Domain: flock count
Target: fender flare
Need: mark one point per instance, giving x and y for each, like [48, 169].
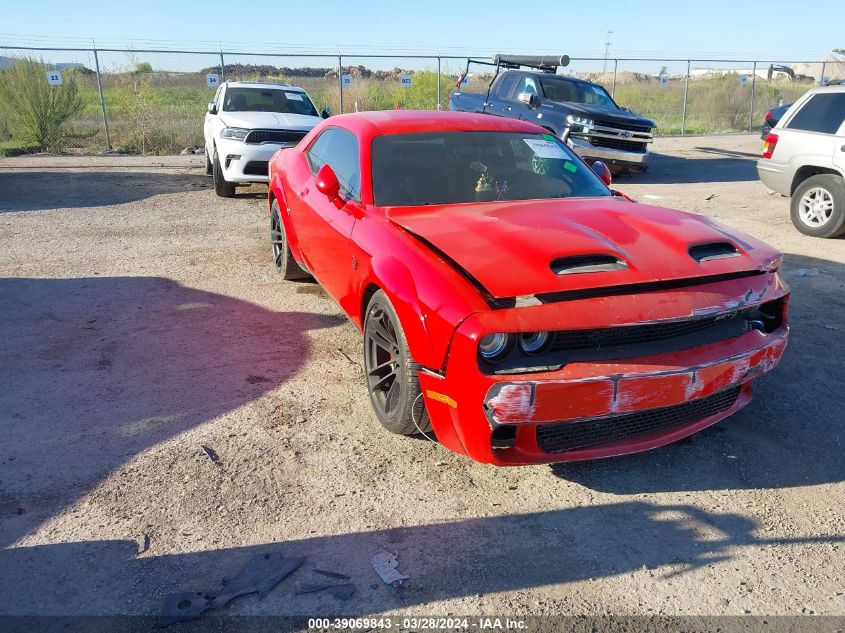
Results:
[391, 275]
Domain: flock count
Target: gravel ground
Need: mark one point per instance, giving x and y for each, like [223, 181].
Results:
[141, 320]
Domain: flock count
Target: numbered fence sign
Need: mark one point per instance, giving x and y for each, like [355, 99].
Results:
[405, 80]
[212, 80]
[346, 80]
[743, 80]
[664, 80]
[54, 78]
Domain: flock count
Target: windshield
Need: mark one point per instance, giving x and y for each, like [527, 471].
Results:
[567, 91]
[456, 167]
[268, 100]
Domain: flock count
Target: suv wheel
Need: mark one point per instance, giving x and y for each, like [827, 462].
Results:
[222, 187]
[818, 206]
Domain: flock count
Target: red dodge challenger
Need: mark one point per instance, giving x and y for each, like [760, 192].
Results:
[512, 301]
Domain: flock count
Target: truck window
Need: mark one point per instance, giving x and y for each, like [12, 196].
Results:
[506, 85]
[822, 113]
[527, 85]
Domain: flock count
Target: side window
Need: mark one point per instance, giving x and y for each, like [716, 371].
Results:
[339, 149]
[506, 85]
[822, 113]
[527, 85]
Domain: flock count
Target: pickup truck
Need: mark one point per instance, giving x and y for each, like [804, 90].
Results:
[579, 112]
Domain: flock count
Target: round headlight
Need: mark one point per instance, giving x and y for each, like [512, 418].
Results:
[533, 342]
[493, 346]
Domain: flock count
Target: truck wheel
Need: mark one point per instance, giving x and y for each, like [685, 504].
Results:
[391, 372]
[817, 206]
[209, 168]
[285, 264]
[222, 187]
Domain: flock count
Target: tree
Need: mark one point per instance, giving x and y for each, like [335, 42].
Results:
[143, 67]
[39, 109]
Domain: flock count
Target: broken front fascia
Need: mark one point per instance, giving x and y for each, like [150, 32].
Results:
[582, 390]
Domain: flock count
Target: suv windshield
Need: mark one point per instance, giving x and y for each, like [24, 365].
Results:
[268, 100]
[565, 90]
[456, 167]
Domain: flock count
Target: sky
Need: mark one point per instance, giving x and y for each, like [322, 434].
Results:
[716, 28]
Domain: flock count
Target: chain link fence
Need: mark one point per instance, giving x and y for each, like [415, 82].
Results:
[154, 101]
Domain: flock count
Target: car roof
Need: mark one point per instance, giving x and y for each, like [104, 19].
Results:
[412, 121]
[261, 84]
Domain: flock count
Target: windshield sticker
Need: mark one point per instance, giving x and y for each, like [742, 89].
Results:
[545, 149]
[293, 96]
[570, 167]
[548, 137]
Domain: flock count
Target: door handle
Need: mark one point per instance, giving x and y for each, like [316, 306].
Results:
[304, 192]
[508, 108]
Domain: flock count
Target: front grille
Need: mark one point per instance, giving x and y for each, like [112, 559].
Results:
[570, 436]
[635, 334]
[624, 126]
[256, 168]
[274, 136]
[612, 143]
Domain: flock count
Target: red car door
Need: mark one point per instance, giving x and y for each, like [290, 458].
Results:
[323, 229]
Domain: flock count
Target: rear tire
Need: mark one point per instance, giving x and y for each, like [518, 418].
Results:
[222, 187]
[390, 371]
[817, 206]
[283, 260]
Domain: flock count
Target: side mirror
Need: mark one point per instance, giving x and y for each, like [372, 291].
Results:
[212, 108]
[529, 99]
[602, 171]
[326, 113]
[327, 183]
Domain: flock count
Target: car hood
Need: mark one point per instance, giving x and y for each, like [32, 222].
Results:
[508, 247]
[269, 120]
[618, 116]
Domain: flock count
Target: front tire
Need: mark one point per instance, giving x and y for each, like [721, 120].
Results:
[283, 260]
[391, 372]
[817, 206]
[209, 168]
[222, 187]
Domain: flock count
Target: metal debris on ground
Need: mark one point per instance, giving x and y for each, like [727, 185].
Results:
[331, 574]
[260, 575]
[212, 454]
[385, 564]
[341, 592]
[710, 197]
[181, 607]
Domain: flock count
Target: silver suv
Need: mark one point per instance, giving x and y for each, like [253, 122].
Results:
[804, 158]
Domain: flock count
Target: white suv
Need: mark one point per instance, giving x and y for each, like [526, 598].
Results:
[246, 123]
[804, 158]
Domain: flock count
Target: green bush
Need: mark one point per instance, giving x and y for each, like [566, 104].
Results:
[39, 109]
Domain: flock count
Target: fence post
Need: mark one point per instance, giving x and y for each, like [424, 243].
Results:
[102, 100]
[686, 93]
[613, 88]
[340, 80]
[753, 85]
[821, 79]
[438, 82]
[222, 67]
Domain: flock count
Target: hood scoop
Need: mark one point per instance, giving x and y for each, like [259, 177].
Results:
[587, 264]
[710, 251]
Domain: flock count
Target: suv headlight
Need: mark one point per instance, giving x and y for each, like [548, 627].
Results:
[234, 133]
[580, 120]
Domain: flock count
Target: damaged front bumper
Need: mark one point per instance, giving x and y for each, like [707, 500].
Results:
[604, 406]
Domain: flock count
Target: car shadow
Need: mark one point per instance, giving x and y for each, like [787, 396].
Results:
[93, 371]
[789, 435]
[25, 190]
[664, 170]
[442, 561]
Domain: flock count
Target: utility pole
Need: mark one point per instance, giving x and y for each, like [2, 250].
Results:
[606, 50]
